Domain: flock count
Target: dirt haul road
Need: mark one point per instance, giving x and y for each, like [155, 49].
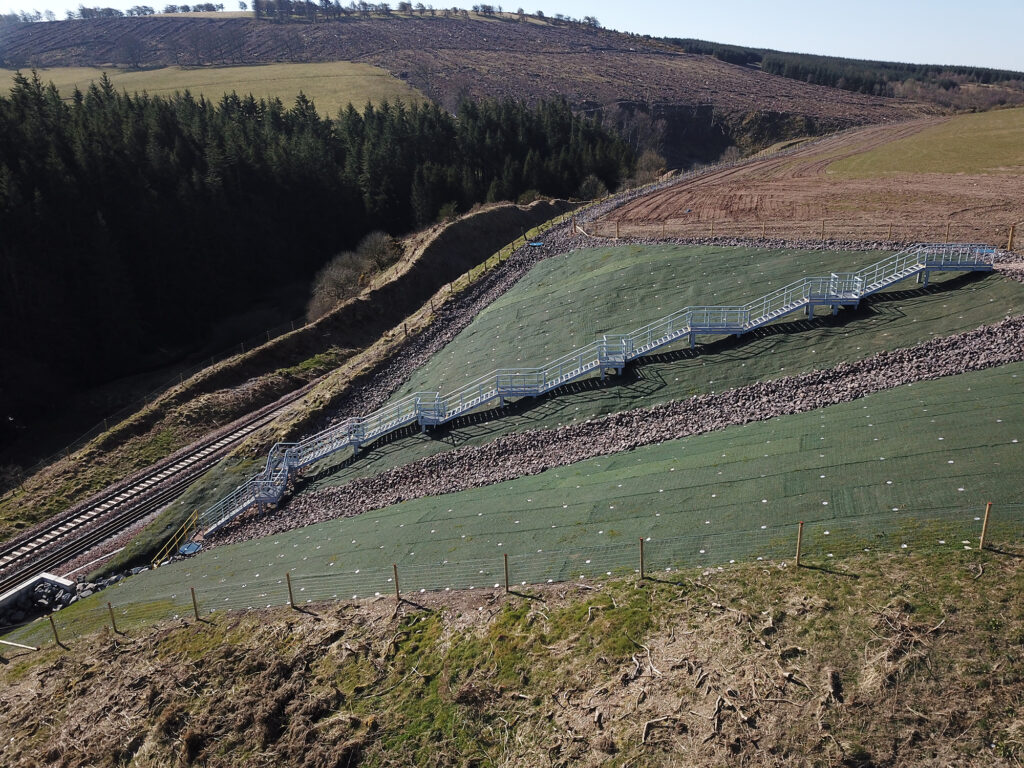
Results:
[790, 195]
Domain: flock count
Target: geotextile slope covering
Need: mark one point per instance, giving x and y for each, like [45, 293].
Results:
[900, 471]
[570, 300]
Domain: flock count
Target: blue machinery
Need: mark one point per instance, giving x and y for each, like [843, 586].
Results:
[610, 352]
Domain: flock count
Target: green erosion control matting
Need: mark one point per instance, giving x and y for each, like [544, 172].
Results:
[896, 471]
[572, 299]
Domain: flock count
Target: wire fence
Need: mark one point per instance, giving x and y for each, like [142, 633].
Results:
[862, 230]
[822, 544]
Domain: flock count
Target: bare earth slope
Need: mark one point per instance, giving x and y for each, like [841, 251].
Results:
[792, 194]
[446, 58]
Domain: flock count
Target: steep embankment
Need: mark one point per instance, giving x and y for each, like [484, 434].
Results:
[257, 378]
[691, 106]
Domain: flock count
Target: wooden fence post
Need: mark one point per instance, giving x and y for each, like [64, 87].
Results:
[890, 232]
[506, 573]
[947, 233]
[641, 558]
[984, 525]
[762, 230]
[616, 229]
[195, 605]
[712, 227]
[398, 595]
[291, 597]
[113, 622]
[822, 229]
[1009, 243]
[799, 541]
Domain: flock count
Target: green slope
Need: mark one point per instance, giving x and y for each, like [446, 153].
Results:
[898, 471]
[570, 300]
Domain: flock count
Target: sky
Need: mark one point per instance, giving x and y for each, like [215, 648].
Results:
[986, 33]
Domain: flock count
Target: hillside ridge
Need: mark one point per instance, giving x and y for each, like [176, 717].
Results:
[691, 107]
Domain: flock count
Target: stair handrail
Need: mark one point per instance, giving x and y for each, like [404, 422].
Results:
[611, 351]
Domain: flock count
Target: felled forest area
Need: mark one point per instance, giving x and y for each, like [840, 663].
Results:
[133, 223]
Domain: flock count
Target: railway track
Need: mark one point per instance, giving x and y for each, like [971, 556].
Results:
[74, 533]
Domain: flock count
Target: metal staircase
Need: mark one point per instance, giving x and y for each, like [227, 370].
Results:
[610, 352]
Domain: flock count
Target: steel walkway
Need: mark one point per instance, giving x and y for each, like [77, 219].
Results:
[610, 352]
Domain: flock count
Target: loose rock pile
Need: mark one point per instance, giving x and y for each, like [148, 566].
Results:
[47, 597]
[532, 452]
[1011, 267]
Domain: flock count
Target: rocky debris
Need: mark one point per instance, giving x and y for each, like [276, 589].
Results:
[1011, 267]
[532, 452]
[40, 600]
[47, 597]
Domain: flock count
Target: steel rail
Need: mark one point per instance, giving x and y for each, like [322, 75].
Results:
[52, 556]
[62, 539]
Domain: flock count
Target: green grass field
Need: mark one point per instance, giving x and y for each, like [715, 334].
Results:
[331, 86]
[986, 142]
[898, 471]
[577, 295]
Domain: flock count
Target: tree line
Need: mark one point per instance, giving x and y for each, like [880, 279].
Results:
[290, 10]
[132, 223]
[878, 78]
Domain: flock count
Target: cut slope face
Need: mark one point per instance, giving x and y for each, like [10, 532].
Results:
[917, 177]
[568, 300]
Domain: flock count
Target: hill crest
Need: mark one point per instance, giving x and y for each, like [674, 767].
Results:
[692, 106]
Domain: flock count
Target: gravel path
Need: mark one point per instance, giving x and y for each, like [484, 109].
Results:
[532, 452]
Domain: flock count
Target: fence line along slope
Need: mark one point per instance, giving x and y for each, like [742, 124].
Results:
[903, 470]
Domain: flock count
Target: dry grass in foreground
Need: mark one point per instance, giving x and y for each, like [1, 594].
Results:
[897, 661]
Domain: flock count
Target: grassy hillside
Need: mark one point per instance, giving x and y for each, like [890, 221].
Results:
[330, 85]
[910, 660]
[689, 107]
[989, 142]
[588, 292]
